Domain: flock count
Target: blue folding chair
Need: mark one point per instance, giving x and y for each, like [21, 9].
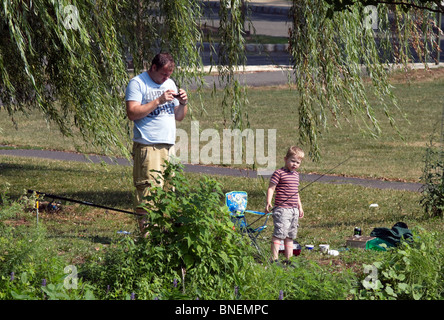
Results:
[236, 201]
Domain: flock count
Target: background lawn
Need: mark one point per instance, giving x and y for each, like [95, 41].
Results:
[82, 233]
[331, 211]
[391, 156]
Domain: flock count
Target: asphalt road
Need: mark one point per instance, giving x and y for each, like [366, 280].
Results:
[211, 170]
[267, 18]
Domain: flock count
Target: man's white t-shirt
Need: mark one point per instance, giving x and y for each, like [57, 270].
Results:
[159, 127]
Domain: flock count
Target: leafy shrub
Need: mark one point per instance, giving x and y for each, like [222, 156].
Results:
[30, 286]
[30, 268]
[191, 244]
[411, 271]
[29, 265]
[303, 280]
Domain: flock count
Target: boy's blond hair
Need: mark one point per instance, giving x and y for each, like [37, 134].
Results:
[295, 151]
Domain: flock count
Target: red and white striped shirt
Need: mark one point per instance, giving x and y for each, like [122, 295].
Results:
[287, 188]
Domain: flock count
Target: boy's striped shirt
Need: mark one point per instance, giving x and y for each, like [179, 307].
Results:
[287, 188]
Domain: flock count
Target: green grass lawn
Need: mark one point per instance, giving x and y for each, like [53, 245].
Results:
[387, 157]
[391, 156]
[331, 211]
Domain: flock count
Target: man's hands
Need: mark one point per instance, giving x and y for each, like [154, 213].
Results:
[135, 110]
[181, 95]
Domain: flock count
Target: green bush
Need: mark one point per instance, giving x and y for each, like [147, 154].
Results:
[191, 251]
[410, 271]
[302, 280]
[30, 268]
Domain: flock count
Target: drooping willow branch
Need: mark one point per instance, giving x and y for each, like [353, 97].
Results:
[330, 55]
[231, 56]
[423, 5]
[65, 61]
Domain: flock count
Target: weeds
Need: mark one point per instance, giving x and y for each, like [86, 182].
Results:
[30, 268]
[192, 252]
[411, 271]
[191, 243]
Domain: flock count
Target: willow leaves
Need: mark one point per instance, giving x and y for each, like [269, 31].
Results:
[68, 59]
[332, 51]
[65, 60]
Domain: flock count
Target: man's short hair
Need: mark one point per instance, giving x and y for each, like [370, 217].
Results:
[162, 59]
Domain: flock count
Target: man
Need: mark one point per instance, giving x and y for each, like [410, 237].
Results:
[154, 103]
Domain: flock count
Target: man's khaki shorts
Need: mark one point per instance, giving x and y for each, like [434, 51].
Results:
[147, 158]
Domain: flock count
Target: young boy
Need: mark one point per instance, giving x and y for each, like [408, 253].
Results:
[287, 204]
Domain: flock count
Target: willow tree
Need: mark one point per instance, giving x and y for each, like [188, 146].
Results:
[232, 58]
[334, 43]
[64, 58]
[68, 58]
[148, 27]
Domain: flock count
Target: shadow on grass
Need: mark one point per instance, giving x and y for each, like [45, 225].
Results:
[58, 180]
[110, 198]
[91, 239]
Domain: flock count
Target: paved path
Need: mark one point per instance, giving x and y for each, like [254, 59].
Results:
[213, 170]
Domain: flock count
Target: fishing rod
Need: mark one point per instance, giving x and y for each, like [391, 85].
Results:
[80, 201]
[342, 162]
[327, 172]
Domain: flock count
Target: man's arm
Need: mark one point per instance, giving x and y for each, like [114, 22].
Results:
[135, 110]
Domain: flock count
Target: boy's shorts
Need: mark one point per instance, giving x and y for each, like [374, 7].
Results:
[147, 158]
[285, 222]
